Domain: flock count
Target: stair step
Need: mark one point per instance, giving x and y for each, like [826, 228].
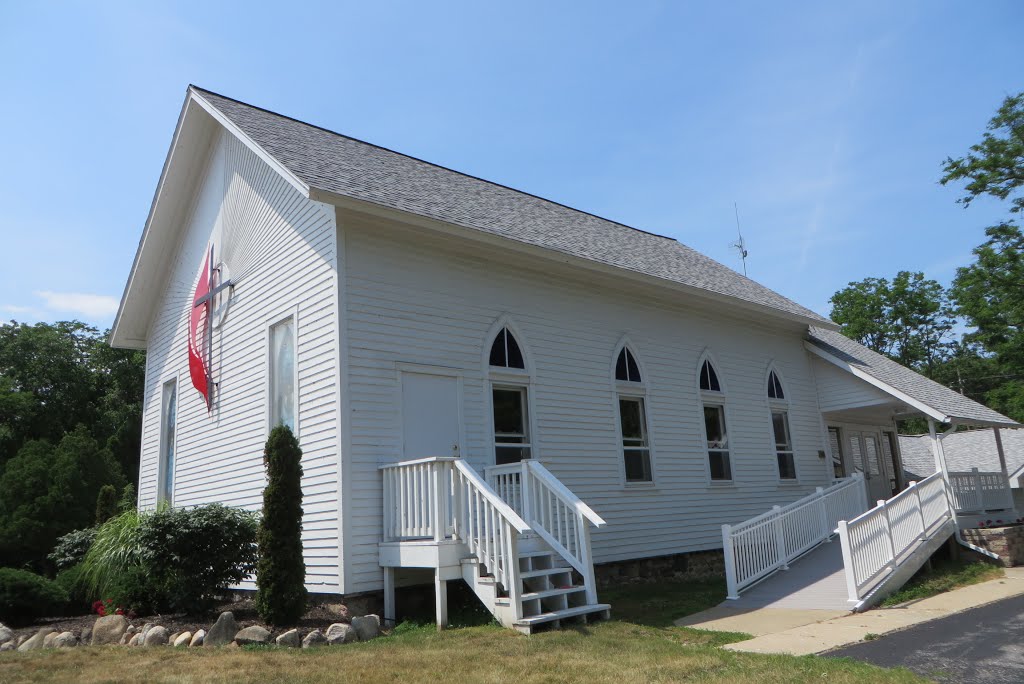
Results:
[547, 593]
[540, 573]
[535, 554]
[562, 614]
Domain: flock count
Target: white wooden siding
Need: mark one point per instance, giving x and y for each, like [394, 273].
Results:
[284, 250]
[839, 390]
[413, 298]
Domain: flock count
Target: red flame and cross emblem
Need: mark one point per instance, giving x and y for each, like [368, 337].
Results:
[200, 326]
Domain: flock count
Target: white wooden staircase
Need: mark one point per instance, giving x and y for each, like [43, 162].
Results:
[439, 513]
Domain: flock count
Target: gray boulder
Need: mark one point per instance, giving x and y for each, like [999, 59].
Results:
[6, 634]
[127, 636]
[223, 631]
[340, 633]
[252, 635]
[108, 630]
[197, 638]
[86, 635]
[36, 640]
[367, 627]
[65, 640]
[136, 640]
[9, 646]
[290, 639]
[48, 639]
[314, 638]
[170, 639]
[183, 639]
[157, 636]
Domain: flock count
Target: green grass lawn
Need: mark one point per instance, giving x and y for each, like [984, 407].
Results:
[639, 645]
[945, 575]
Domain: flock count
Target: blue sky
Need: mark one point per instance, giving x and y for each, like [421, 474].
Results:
[826, 122]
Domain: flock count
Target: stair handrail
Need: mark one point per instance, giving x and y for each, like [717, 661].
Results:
[489, 528]
[757, 547]
[875, 542]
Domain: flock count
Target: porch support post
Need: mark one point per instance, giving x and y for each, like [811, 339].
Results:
[389, 597]
[440, 600]
[940, 462]
[1002, 466]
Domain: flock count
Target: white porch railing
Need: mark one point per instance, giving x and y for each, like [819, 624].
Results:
[979, 491]
[557, 515]
[757, 547]
[442, 498]
[876, 541]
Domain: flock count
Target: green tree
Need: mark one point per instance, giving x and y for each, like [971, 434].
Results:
[106, 504]
[46, 492]
[995, 166]
[908, 319]
[281, 572]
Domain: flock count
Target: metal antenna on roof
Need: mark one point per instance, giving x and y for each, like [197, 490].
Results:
[740, 244]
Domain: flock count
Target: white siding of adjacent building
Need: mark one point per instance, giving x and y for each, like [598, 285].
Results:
[281, 249]
[418, 299]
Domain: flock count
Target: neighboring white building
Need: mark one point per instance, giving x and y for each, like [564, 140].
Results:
[389, 310]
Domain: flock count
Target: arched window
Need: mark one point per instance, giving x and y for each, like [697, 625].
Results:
[633, 428]
[716, 433]
[626, 367]
[779, 411]
[510, 399]
[709, 378]
[505, 351]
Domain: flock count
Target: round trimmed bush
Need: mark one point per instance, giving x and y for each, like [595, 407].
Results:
[26, 596]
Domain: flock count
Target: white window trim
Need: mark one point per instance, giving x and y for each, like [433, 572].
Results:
[530, 434]
[281, 316]
[508, 377]
[161, 468]
[636, 390]
[783, 404]
[712, 397]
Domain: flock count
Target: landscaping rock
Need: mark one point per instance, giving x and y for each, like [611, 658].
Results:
[340, 633]
[48, 639]
[127, 636]
[367, 627]
[108, 630]
[290, 639]
[252, 635]
[65, 640]
[8, 646]
[36, 641]
[6, 634]
[145, 629]
[339, 609]
[314, 638]
[183, 640]
[223, 631]
[197, 638]
[86, 635]
[136, 640]
[157, 636]
[170, 639]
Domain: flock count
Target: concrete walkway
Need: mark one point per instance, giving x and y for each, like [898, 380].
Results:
[801, 631]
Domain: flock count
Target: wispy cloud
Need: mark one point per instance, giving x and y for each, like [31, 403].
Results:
[90, 306]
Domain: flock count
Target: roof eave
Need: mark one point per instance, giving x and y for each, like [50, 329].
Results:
[347, 202]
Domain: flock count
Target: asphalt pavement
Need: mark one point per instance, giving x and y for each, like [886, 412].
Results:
[982, 645]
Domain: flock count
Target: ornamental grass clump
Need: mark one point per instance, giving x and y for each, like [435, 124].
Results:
[281, 572]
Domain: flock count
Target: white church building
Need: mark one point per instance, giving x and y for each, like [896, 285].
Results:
[486, 385]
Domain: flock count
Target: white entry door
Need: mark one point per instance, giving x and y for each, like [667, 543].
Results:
[431, 423]
[866, 451]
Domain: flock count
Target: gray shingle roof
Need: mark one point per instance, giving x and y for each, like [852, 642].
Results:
[337, 164]
[929, 392]
[963, 450]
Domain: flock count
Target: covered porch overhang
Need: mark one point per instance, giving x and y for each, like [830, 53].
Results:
[972, 491]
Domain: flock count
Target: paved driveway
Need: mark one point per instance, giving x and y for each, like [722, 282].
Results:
[980, 646]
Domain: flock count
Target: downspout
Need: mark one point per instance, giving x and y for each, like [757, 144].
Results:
[940, 463]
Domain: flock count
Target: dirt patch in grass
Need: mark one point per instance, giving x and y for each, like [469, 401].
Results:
[944, 575]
